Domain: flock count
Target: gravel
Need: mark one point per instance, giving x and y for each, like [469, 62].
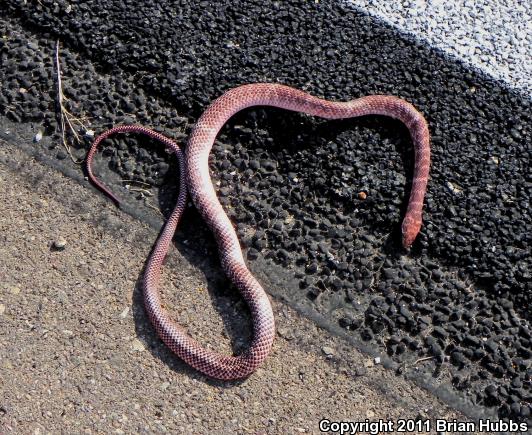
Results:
[71, 363]
[492, 35]
[292, 184]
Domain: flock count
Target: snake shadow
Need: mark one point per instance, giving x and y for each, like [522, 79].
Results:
[201, 251]
[201, 254]
[283, 132]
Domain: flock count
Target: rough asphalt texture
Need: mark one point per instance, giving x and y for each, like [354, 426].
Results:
[79, 355]
[292, 184]
[492, 35]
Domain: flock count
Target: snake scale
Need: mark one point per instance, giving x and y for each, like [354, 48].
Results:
[195, 177]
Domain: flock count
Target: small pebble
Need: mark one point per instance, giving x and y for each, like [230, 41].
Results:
[361, 371]
[328, 350]
[454, 188]
[285, 333]
[60, 243]
[369, 363]
[138, 345]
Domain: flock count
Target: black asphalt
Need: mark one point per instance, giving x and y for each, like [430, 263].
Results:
[461, 296]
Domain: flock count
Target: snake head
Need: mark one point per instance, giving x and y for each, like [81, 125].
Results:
[410, 230]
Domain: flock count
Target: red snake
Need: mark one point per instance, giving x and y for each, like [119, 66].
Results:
[194, 173]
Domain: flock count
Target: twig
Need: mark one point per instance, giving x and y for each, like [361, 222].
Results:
[136, 181]
[138, 189]
[416, 362]
[144, 194]
[146, 203]
[66, 118]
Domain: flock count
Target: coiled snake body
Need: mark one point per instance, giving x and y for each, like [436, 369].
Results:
[194, 174]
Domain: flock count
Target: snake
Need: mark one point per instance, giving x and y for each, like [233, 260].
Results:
[195, 178]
